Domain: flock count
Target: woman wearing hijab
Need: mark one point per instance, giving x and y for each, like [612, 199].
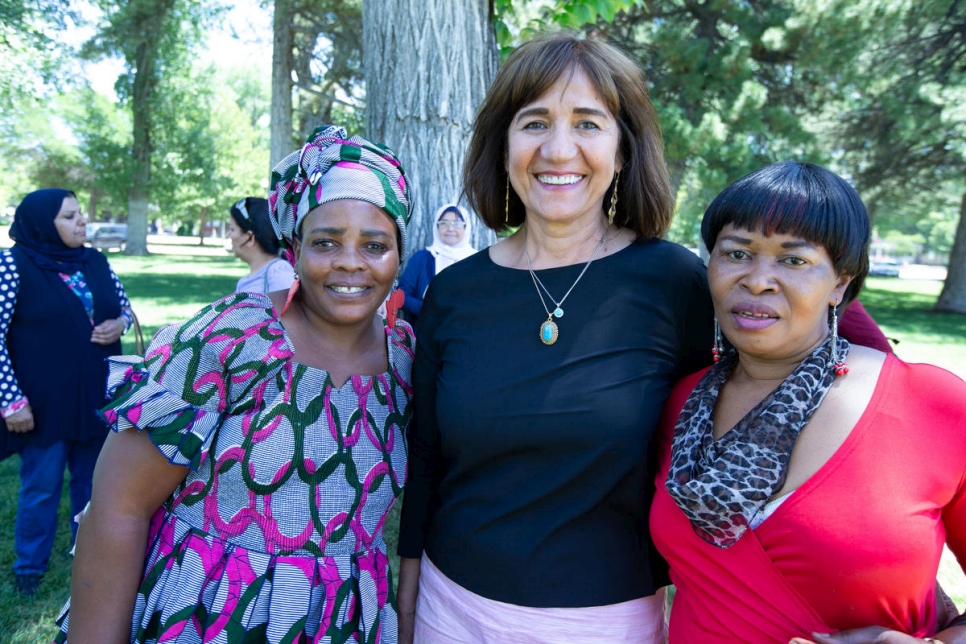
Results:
[254, 242]
[451, 243]
[62, 313]
[260, 445]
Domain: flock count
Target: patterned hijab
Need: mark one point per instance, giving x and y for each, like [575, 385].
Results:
[35, 233]
[332, 166]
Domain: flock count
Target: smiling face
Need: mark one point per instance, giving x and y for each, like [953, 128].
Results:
[451, 228]
[772, 292]
[562, 151]
[347, 258]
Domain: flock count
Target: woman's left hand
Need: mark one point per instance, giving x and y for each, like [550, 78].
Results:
[108, 331]
[867, 635]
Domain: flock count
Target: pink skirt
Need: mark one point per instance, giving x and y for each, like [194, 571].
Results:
[447, 613]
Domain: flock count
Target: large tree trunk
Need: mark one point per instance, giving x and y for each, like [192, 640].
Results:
[953, 296]
[427, 65]
[204, 223]
[282, 62]
[137, 194]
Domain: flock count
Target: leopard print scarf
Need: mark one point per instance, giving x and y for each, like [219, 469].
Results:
[721, 484]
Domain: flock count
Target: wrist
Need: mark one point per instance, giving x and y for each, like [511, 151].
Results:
[127, 319]
[14, 407]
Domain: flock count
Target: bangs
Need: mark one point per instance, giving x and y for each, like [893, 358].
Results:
[538, 69]
[798, 199]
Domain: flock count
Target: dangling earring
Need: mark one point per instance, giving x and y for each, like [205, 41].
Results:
[612, 211]
[506, 202]
[292, 290]
[840, 367]
[717, 349]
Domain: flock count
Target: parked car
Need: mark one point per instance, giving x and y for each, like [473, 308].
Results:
[885, 266]
[107, 236]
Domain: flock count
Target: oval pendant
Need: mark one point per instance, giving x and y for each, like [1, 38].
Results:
[558, 312]
[548, 332]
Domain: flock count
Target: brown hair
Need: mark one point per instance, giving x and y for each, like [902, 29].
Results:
[644, 204]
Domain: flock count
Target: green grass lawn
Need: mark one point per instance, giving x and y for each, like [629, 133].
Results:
[167, 288]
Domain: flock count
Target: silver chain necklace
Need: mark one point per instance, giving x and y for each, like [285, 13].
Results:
[548, 330]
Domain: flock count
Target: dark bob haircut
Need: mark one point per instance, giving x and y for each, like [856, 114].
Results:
[799, 199]
[645, 203]
[255, 220]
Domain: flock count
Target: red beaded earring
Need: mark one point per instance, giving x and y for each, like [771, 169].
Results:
[840, 367]
[717, 349]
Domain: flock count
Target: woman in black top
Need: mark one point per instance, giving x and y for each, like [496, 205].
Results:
[543, 363]
[62, 312]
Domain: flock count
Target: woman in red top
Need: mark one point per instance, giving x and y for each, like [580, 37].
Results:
[805, 487]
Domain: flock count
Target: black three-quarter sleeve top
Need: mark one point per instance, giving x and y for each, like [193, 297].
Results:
[529, 473]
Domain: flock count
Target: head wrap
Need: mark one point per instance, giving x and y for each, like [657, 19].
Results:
[35, 233]
[332, 166]
[445, 254]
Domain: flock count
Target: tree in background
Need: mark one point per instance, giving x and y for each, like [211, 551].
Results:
[208, 155]
[155, 38]
[903, 133]
[316, 69]
[428, 66]
[30, 59]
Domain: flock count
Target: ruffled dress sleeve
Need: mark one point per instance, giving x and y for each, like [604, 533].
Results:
[195, 374]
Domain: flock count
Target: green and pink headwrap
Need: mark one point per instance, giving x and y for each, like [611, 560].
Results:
[332, 166]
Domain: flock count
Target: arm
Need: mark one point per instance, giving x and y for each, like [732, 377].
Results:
[696, 324]
[131, 481]
[406, 596]
[425, 469]
[110, 331]
[409, 283]
[880, 635]
[13, 403]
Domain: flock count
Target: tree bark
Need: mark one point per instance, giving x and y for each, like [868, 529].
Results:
[428, 64]
[204, 223]
[282, 84]
[137, 194]
[952, 299]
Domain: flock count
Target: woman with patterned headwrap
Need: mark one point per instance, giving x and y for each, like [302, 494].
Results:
[248, 502]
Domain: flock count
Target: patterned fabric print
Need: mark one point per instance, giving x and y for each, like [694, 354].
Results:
[721, 484]
[276, 535]
[78, 286]
[9, 284]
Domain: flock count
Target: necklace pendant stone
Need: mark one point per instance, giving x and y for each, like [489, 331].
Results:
[558, 312]
[548, 332]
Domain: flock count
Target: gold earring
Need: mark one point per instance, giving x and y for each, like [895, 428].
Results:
[612, 211]
[506, 202]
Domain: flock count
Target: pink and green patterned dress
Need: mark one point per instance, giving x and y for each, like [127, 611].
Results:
[276, 534]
